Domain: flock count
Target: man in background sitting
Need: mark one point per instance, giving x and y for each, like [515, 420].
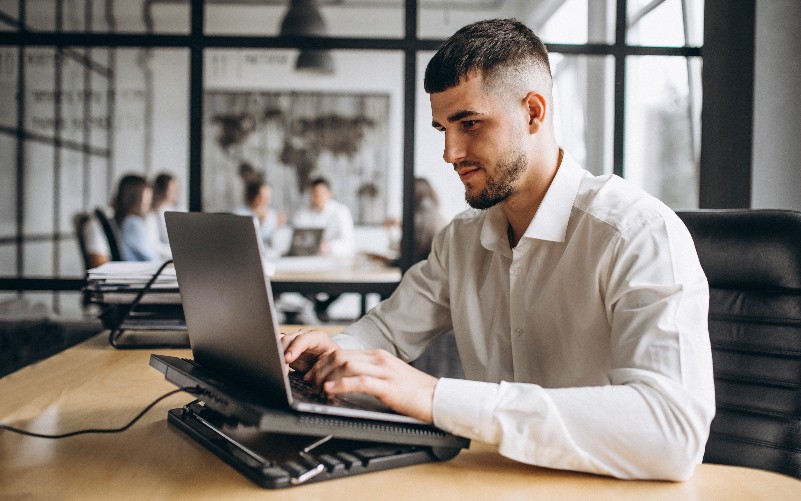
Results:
[334, 217]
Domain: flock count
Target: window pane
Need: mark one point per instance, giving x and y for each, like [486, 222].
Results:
[8, 261]
[70, 262]
[121, 16]
[40, 15]
[100, 183]
[39, 182]
[662, 128]
[72, 95]
[8, 186]
[71, 188]
[9, 60]
[38, 259]
[97, 103]
[10, 13]
[583, 108]
[346, 126]
[151, 112]
[382, 18]
[570, 21]
[40, 95]
[671, 23]
[147, 16]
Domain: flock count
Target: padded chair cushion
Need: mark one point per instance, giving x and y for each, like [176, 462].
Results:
[748, 249]
[752, 259]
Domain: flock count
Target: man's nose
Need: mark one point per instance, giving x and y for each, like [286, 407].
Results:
[454, 149]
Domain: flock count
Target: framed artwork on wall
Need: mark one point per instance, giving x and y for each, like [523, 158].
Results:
[292, 137]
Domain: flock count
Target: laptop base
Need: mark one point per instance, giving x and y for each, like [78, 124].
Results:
[274, 460]
[236, 402]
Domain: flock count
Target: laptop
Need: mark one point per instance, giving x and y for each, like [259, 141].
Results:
[232, 321]
[305, 242]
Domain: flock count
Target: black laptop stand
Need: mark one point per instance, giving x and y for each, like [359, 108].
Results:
[277, 460]
[281, 448]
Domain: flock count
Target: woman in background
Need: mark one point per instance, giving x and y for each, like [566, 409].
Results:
[165, 197]
[257, 197]
[428, 220]
[131, 205]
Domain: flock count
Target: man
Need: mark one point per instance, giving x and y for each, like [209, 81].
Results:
[334, 217]
[578, 303]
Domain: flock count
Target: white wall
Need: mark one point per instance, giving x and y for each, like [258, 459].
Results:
[776, 171]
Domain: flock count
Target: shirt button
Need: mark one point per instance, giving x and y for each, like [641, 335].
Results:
[518, 332]
[515, 271]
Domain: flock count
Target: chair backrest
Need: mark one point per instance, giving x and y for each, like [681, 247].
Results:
[80, 222]
[752, 259]
[112, 233]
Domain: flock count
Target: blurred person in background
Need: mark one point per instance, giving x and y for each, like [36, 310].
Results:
[428, 220]
[165, 197]
[257, 197]
[131, 206]
[334, 217]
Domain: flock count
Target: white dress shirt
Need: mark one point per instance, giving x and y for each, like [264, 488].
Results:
[337, 224]
[157, 229]
[585, 347]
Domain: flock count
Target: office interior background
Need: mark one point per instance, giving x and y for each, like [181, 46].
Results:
[692, 100]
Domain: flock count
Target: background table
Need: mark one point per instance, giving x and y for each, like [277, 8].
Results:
[94, 385]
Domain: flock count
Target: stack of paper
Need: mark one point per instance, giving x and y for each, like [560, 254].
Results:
[119, 282]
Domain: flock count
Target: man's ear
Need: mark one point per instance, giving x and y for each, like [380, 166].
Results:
[537, 108]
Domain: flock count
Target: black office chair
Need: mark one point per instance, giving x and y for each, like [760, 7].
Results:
[80, 222]
[112, 232]
[752, 259]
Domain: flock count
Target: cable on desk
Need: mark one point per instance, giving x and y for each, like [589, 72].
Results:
[115, 334]
[189, 389]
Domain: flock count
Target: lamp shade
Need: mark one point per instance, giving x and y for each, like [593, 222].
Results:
[304, 19]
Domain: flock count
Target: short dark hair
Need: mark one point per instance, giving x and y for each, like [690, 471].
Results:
[252, 190]
[320, 180]
[494, 47]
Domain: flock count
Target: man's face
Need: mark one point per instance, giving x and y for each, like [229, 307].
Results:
[320, 194]
[264, 198]
[483, 141]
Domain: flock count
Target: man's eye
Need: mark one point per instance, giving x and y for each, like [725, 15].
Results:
[469, 124]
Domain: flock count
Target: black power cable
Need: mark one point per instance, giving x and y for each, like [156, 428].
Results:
[188, 389]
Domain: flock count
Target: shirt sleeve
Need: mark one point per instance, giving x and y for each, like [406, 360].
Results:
[342, 232]
[412, 317]
[652, 419]
[137, 240]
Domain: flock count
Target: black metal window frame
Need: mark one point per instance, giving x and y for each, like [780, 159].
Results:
[196, 41]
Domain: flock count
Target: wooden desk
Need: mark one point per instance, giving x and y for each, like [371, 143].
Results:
[94, 385]
[311, 275]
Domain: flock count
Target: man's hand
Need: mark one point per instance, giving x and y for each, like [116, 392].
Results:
[303, 348]
[395, 383]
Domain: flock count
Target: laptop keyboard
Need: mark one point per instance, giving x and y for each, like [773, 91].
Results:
[306, 391]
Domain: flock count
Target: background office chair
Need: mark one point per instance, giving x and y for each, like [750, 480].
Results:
[80, 222]
[112, 233]
[752, 259]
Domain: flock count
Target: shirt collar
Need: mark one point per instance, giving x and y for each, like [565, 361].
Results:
[550, 221]
[553, 214]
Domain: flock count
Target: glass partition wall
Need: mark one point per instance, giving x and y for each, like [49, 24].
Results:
[91, 90]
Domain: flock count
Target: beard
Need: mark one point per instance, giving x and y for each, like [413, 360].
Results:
[500, 186]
